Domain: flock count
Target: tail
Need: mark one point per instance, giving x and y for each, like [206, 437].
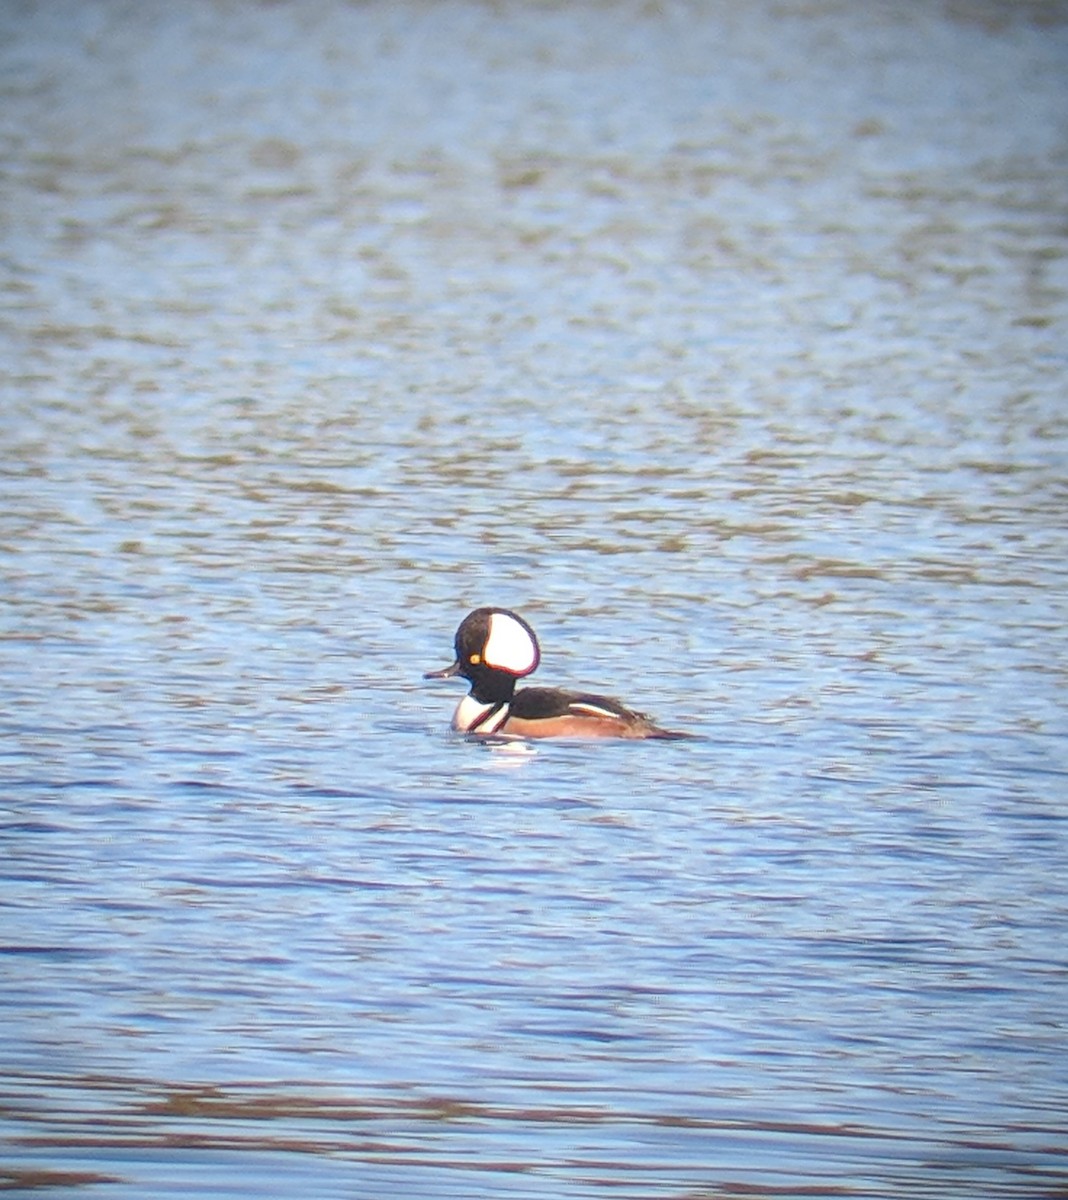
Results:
[668, 735]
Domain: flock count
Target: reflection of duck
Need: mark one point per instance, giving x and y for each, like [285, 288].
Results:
[494, 649]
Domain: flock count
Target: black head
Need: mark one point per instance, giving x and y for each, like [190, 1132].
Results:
[494, 648]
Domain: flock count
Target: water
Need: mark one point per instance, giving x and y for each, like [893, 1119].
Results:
[724, 342]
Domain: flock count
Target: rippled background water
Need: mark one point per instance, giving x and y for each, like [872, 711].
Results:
[727, 342]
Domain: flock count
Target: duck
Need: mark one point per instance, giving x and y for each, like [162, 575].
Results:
[495, 648]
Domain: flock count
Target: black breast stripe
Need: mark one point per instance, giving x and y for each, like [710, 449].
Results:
[486, 719]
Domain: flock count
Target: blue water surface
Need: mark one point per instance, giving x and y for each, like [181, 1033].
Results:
[724, 343]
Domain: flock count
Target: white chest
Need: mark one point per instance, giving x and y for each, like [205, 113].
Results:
[472, 714]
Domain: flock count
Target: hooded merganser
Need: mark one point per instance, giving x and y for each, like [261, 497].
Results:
[496, 647]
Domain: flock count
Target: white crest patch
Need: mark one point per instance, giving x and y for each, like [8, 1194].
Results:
[509, 645]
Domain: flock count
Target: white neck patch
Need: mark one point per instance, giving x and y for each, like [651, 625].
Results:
[510, 646]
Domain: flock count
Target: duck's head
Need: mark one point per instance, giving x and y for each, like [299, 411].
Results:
[492, 644]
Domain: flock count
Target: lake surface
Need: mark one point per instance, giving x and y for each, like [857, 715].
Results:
[725, 342]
